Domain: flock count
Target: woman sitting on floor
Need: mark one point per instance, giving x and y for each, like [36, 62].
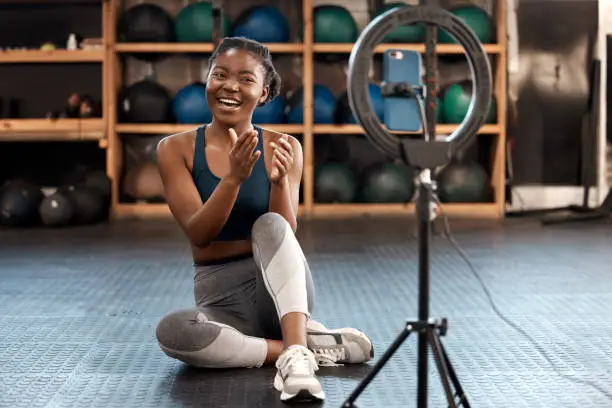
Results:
[234, 189]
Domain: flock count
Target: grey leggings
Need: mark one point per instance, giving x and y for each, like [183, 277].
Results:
[237, 292]
[234, 293]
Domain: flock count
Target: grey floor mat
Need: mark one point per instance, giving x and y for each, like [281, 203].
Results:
[78, 310]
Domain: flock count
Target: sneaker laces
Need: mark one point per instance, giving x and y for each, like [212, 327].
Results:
[328, 356]
[300, 361]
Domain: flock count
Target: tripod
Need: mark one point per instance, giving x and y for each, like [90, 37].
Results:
[429, 330]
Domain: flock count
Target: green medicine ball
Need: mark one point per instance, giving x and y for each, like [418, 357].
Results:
[334, 24]
[194, 23]
[477, 19]
[414, 33]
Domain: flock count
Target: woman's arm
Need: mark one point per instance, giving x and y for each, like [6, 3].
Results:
[201, 222]
[285, 192]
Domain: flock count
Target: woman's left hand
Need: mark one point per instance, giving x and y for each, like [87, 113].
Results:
[282, 159]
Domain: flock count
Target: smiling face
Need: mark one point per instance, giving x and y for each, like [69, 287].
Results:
[235, 86]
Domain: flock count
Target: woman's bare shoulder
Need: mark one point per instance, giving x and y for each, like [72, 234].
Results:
[178, 143]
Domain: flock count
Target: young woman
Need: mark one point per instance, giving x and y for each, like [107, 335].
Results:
[234, 189]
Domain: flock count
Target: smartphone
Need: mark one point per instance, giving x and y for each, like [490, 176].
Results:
[402, 113]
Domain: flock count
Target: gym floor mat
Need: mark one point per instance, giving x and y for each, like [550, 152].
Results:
[78, 310]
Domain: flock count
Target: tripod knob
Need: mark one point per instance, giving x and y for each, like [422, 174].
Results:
[443, 328]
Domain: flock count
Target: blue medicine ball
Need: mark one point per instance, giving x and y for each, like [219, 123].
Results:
[190, 105]
[264, 24]
[272, 112]
[377, 103]
[324, 107]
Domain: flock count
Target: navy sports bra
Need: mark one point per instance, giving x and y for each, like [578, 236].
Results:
[253, 197]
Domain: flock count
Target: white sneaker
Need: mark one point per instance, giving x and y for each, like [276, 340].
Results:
[295, 376]
[338, 346]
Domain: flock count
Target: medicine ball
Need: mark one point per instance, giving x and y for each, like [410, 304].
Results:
[145, 102]
[324, 106]
[144, 183]
[19, 203]
[456, 103]
[462, 181]
[335, 183]
[190, 106]
[88, 204]
[388, 183]
[146, 23]
[333, 24]
[412, 33]
[265, 24]
[56, 210]
[194, 23]
[272, 112]
[477, 19]
[344, 114]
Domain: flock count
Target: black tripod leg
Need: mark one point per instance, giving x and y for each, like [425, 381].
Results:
[450, 372]
[440, 359]
[399, 340]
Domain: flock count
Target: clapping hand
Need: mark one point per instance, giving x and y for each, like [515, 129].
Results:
[282, 158]
[243, 156]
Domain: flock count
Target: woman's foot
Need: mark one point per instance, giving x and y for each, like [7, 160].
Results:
[338, 346]
[295, 376]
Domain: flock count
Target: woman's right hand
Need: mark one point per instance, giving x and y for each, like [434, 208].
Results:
[242, 156]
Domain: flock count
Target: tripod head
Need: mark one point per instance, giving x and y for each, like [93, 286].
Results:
[428, 153]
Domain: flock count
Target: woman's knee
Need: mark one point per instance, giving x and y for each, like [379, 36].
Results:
[188, 335]
[185, 331]
[270, 226]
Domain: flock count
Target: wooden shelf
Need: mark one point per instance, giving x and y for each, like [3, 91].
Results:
[357, 129]
[117, 75]
[179, 48]
[55, 56]
[292, 48]
[440, 49]
[475, 210]
[51, 129]
[169, 129]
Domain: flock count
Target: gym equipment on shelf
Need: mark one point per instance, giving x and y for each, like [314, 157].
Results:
[146, 23]
[189, 105]
[406, 34]
[424, 155]
[262, 23]
[145, 101]
[272, 112]
[457, 99]
[388, 183]
[477, 19]
[333, 24]
[462, 181]
[194, 23]
[344, 115]
[324, 106]
[335, 182]
[143, 183]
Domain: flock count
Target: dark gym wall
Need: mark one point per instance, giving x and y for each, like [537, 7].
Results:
[555, 51]
[42, 88]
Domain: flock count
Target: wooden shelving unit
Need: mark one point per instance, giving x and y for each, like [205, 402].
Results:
[42, 129]
[308, 130]
[49, 57]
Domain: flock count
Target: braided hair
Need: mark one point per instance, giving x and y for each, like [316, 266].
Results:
[258, 50]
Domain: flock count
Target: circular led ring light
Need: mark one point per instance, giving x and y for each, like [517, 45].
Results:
[359, 67]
